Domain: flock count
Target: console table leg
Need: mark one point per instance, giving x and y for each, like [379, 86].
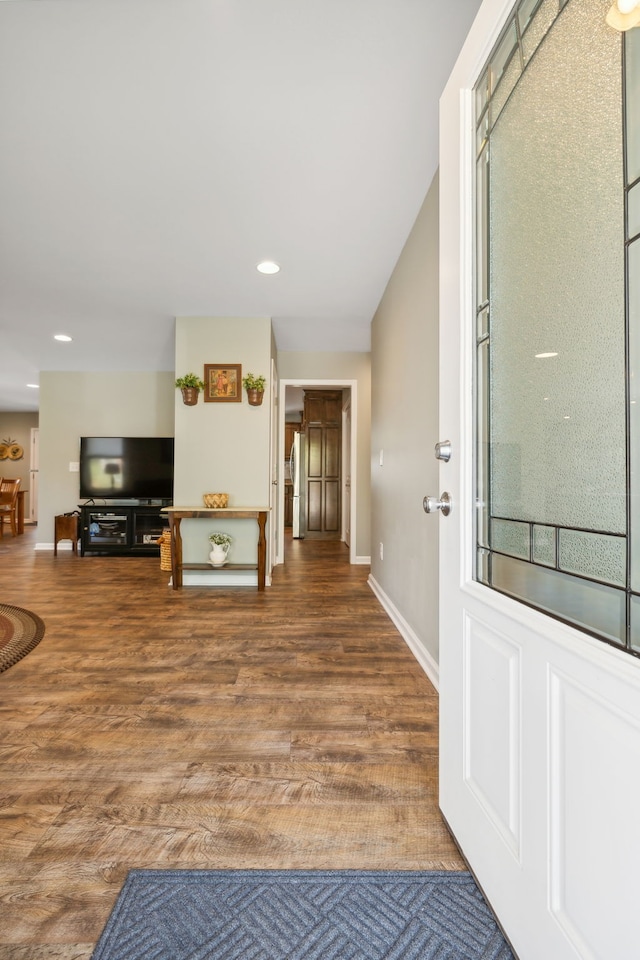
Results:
[176, 552]
[262, 550]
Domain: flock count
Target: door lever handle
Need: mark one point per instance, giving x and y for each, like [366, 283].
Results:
[432, 504]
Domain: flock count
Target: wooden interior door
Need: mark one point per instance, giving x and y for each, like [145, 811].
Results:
[323, 431]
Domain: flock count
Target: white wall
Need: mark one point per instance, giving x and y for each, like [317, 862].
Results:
[335, 367]
[222, 447]
[404, 398]
[73, 405]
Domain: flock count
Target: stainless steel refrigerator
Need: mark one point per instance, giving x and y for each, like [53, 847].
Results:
[296, 466]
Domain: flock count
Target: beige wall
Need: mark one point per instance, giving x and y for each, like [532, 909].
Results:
[222, 447]
[336, 367]
[73, 405]
[17, 428]
[404, 400]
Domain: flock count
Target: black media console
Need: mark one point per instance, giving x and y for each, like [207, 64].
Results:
[122, 528]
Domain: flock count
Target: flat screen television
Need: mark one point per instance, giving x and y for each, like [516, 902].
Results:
[126, 468]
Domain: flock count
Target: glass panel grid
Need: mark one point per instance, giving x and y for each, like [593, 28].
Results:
[482, 93]
[483, 566]
[483, 324]
[633, 212]
[502, 57]
[633, 255]
[635, 624]
[632, 96]
[482, 444]
[526, 11]
[511, 537]
[482, 133]
[591, 606]
[509, 80]
[593, 555]
[544, 545]
[482, 227]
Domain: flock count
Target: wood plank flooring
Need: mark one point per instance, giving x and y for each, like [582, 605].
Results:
[202, 729]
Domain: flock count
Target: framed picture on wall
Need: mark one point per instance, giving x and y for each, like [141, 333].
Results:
[223, 383]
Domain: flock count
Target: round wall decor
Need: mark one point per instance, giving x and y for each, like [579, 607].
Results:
[16, 452]
[10, 450]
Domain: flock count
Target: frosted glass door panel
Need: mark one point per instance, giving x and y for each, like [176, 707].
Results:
[557, 289]
[556, 433]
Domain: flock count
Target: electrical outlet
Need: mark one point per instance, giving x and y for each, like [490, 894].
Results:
[382, 551]
[74, 466]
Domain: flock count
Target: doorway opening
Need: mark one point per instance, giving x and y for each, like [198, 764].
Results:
[339, 494]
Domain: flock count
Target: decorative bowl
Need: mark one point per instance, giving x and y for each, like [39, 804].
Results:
[215, 501]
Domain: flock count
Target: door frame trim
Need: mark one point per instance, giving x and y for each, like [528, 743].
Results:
[329, 385]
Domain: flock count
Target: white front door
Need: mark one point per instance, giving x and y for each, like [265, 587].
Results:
[540, 721]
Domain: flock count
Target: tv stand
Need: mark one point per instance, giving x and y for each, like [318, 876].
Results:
[121, 528]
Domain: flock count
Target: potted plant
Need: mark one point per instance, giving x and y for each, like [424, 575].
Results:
[220, 543]
[255, 389]
[191, 385]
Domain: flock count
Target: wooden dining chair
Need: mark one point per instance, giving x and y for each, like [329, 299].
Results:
[9, 505]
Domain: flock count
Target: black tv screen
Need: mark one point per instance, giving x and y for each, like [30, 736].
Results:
[126, 468]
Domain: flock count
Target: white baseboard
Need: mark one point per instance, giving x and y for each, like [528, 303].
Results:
[217, 578]
[65, 545]
[363, 560]
[409, 636]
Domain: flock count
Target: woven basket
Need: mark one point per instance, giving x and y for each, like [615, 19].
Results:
[165, 551]
[215, 501]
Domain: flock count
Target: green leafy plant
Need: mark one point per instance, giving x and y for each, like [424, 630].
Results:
[222, 539]
[253, 383]
[190, 380]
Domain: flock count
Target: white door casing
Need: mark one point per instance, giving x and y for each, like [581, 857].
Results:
[34, 468]
[346, 471]
[353, 437]
[540, 723]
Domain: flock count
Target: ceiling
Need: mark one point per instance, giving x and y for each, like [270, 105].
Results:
[152, 152]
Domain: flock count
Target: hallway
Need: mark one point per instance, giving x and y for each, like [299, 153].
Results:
[202, 729]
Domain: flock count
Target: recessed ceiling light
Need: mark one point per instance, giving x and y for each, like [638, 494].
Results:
[63, 337]
[268, 266]
[541, 356]
[35, 386]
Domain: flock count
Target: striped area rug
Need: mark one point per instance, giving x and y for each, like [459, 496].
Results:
[294, 914]
[20, 632]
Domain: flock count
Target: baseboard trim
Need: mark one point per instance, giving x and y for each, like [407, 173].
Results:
[217, 578]
[409, 636]
[365, 561]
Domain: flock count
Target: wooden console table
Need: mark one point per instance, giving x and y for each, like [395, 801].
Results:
[176, 514]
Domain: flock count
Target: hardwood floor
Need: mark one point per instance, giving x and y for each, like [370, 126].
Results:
[202, 729]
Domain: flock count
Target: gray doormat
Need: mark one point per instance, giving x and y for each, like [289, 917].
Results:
[296, 914]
